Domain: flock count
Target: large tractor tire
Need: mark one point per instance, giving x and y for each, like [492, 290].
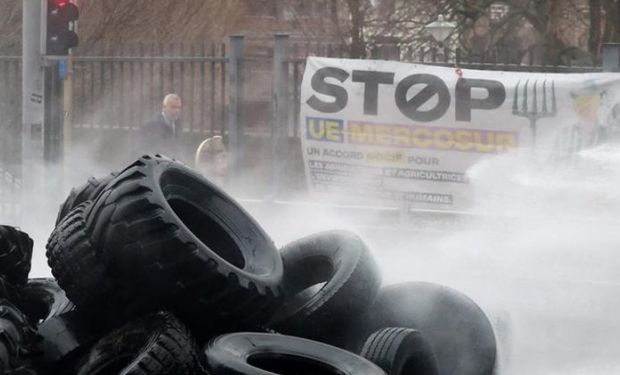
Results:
[82, 274]
[156, 344]
[160, 235]
[86, 192]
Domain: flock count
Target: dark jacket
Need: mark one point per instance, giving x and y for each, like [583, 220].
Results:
[156, 137]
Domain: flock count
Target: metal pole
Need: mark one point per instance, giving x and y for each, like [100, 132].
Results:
[279, 131]
[235, 100]
[611, 57]
[68, 109]
[33, 100]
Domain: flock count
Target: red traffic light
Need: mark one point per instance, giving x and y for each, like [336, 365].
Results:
[61, 34]
[63, 11]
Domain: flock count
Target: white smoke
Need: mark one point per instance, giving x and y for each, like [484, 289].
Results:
[538, 252]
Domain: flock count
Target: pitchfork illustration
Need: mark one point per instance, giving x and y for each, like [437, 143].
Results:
[534, 114]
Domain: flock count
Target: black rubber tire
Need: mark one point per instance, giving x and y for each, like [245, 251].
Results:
[163, 226]
[8, 291]
[41, 299]
[15, 255]
[63, 338]
[60, 328]
[400, 351]
[17, 339]
[156, 344]
[82, 274]
[342, 261]
[87, 192]
[458, 330]
[247, 353]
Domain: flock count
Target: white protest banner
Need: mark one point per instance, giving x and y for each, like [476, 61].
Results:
[383, 131]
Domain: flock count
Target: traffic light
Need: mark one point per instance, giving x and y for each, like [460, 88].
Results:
[61, 15]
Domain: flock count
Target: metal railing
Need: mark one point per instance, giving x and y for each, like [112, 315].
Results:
[123, 92]
[113, 95]
[10, 110]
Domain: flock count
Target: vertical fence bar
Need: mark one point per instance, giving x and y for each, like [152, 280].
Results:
[206, 114]
[102, 82]
[141, 65]
[92, 89]
[296, 92]
[130, 101]
[81, 69]
[109, 66]
[164, 73]
[212, 92]
[181, 85]
[195, 103]
[223, 88]
[203, 89]
[279, 131]
[123, 99]
[159, 89]
[235, 100]
[117, 92]
[611, 57]
[171, 52]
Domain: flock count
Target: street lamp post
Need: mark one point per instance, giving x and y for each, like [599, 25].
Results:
[440, 30]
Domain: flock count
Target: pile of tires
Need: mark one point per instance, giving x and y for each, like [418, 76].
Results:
[158, 271]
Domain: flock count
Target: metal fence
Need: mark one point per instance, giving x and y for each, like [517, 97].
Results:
[122, 92]
[10, 133]
[256, 104]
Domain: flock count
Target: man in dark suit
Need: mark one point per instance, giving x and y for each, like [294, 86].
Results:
[160, 135]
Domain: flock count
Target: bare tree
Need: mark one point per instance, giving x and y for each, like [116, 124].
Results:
[596, 28]
[10, 27]
[162, 21]
[357, 9]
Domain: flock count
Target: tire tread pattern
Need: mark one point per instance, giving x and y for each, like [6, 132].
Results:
[86, 192]
[17, 339]
[384, 346]
[78, 269]
[130, 224]
[169, 348]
